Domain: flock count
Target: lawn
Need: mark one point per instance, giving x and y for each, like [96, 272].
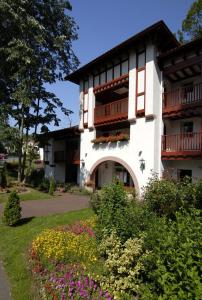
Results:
[15, 242]
[32, 194]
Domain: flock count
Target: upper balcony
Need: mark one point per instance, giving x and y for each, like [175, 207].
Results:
[182, 102]
[182, 146]
[111, 112]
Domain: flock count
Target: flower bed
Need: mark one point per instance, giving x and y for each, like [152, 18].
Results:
[61, 261]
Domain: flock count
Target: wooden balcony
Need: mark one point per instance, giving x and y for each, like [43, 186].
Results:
[112, 112]
[183, 101]
[182, 146]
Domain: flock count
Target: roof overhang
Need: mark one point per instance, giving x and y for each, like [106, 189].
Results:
[158, 31]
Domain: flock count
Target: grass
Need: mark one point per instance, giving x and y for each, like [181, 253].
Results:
[31, 195]
[15, 242]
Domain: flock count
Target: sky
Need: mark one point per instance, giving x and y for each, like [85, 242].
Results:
[104, 24]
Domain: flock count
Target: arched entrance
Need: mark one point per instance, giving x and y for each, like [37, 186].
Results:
[105, 169]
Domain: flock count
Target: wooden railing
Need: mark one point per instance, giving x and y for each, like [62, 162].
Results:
[182, 142]
[183, 96]
[114, 111]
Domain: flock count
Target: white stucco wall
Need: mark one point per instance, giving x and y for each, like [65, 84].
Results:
[145, 135]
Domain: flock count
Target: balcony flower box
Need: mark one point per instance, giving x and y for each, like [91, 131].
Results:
[111, 138]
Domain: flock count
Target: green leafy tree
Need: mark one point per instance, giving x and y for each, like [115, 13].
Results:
[12, 210]
[192, 24]
[36, 48]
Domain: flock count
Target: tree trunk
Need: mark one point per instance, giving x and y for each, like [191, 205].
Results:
[25, 155]
[20, 153]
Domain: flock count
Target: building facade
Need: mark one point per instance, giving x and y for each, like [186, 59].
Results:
[140, 110]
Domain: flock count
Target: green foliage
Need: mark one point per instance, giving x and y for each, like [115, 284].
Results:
[52, 186]
[36, 178]
[44, 185]
[3, 177]
[114, 212]
[198, 199]
[192, 24]
[173, 268]
[12, 210]
[95, 201]
[123, 264]
[161, 196]
[36, 51]
[165, 197]
[75, 189]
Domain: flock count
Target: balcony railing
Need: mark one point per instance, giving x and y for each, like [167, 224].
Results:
[111, 112]
[182, 97]
[189, 143]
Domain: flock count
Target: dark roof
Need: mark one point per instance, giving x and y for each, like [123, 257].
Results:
[182, 49]
[169, 41]
[61, 133]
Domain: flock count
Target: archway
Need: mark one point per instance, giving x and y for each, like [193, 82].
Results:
[113, 166]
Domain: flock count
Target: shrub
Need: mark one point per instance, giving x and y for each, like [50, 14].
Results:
[165, 197]
[75, 189]
[36, 177]
[44, 185]
[173, 268]
[12, 210]
[161, 196]
[52, 186]
[198, 199]
[95, 201]
[114, 211]
[123, 264]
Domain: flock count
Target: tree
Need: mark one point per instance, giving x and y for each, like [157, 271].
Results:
[12, 210]
[35, 48]
[192, 24]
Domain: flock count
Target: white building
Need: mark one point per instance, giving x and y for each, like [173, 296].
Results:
[141, 108]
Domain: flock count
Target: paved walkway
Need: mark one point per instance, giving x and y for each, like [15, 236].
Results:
[4, 285]
[61, 203]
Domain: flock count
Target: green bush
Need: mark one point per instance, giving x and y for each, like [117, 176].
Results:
[165, 197]
[161, 196]
[75, 189]
[52, 185]
[44, 185]
[12, 210]
[198, 199]
[95, 201]
[36, 177]
[173, 268]
[114, 212]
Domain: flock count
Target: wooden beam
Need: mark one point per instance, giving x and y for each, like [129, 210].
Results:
[183, 64]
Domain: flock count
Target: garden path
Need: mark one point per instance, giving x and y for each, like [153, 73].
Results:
[4, 285]
[61, 203]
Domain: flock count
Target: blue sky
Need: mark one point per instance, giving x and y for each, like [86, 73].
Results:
[105, 23]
